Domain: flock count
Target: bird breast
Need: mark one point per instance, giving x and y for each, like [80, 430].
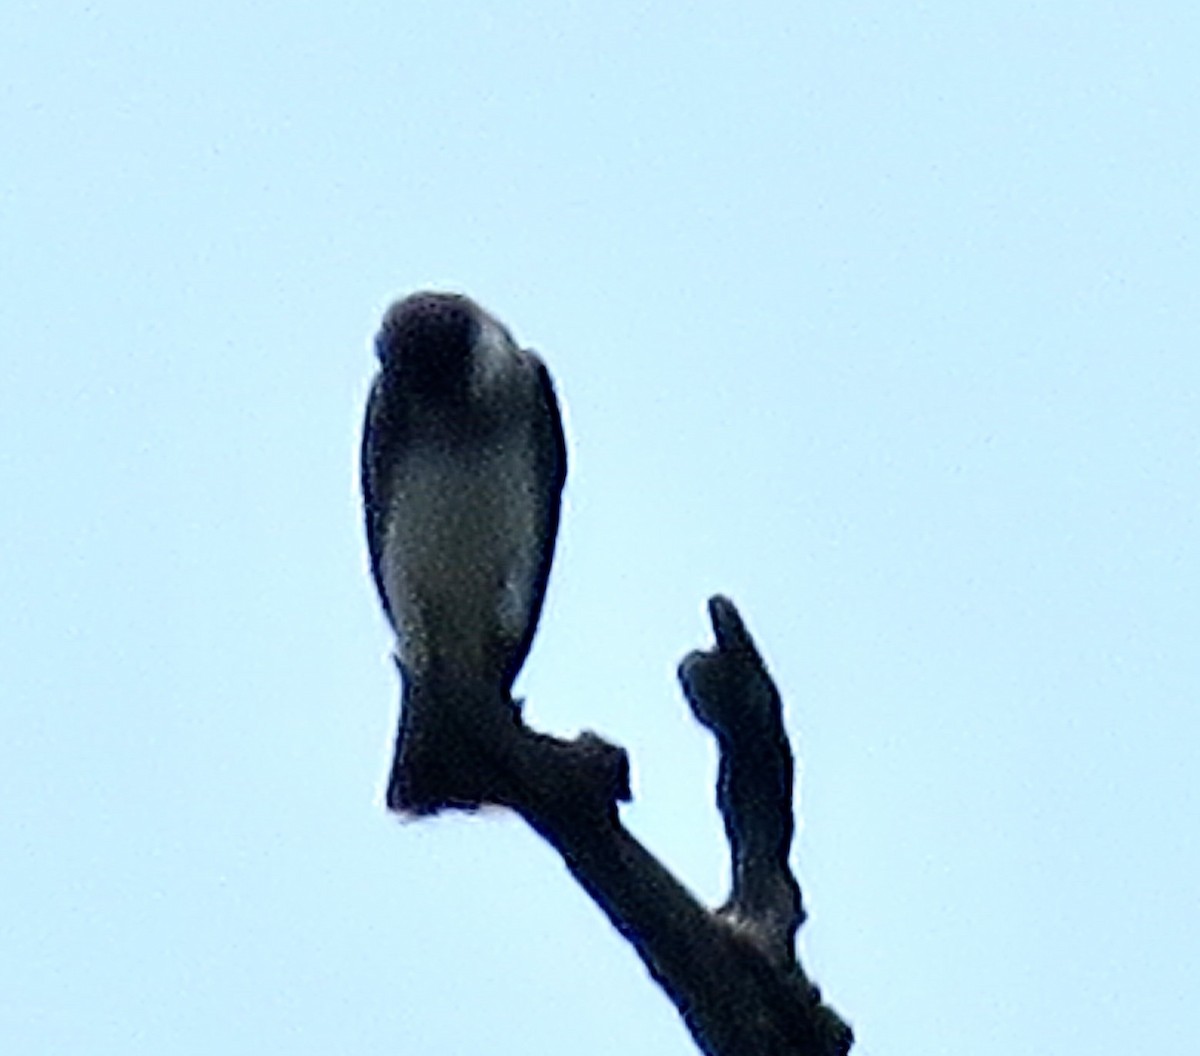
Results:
[460, 557]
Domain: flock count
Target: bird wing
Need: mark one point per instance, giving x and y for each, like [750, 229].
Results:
[381, 436]
[550, 453]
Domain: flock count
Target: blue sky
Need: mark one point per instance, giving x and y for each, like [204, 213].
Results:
[879, 318]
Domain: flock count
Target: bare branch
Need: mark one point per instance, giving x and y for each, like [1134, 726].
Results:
[732, 972]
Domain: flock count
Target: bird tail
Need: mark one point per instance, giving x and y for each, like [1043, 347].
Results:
[449, 747]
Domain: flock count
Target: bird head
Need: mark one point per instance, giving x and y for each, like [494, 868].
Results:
[428, 339]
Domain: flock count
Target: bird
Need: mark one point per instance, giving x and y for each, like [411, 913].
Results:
[463, 463]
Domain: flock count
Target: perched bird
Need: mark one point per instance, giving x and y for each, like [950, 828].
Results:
[463, 464]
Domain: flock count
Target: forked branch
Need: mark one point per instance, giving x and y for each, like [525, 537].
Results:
[732, 972]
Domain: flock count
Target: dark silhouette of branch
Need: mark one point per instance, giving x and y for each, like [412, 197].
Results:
[732, 972]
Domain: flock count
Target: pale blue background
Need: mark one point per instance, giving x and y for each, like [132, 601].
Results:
[880, 317]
